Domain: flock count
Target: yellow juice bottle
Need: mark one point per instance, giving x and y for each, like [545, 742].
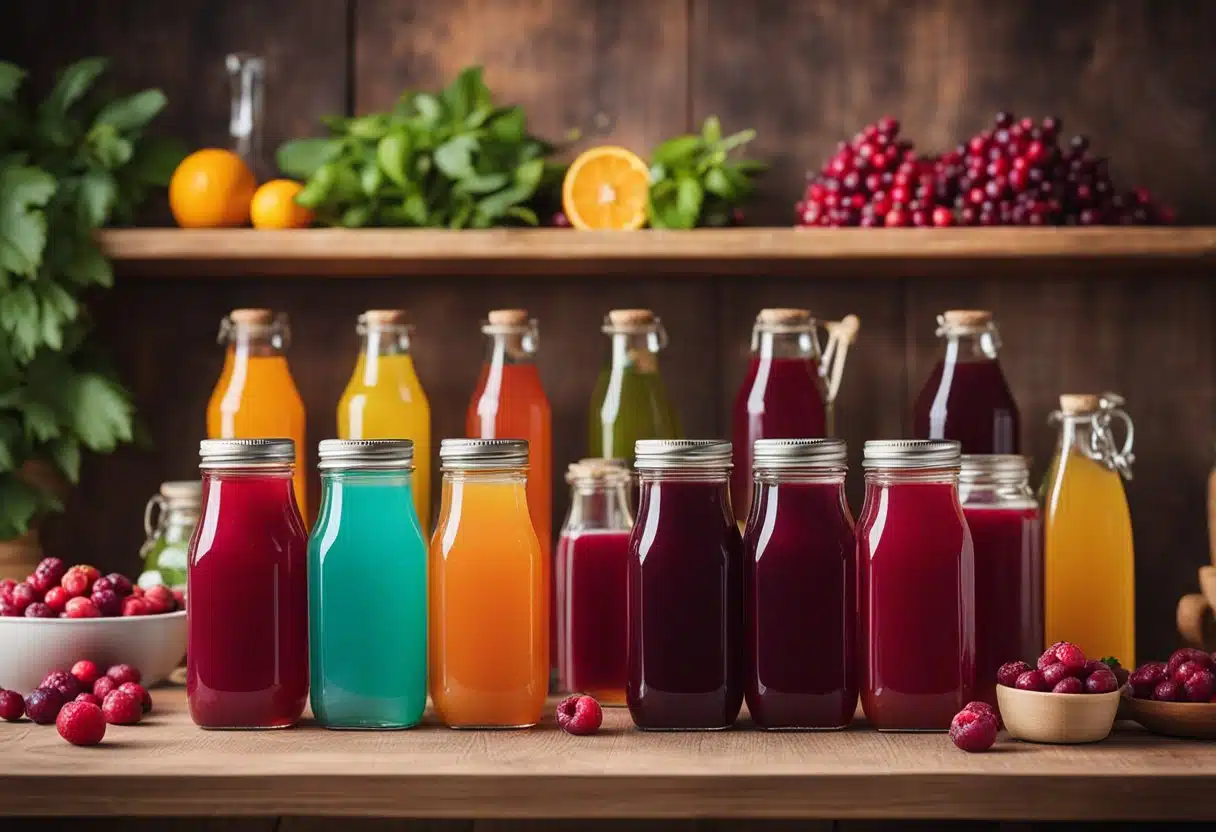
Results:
[1088, 557]
[384, 398]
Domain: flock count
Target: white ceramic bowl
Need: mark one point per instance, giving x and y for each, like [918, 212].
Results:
[1057, 717]
[30, 648]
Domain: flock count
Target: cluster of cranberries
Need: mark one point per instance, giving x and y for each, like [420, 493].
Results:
[1063, 668]
[1189, 676]
[55, 591]
[81, 702]
[1015, 173]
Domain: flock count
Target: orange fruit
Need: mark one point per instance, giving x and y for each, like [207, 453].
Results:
[606, 188]
[211, 188]
[274, 206]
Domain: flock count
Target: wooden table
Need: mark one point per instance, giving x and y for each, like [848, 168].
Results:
[168, 767]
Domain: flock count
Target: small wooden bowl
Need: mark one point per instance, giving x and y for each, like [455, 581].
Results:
[1193, 720]
[1066, 718]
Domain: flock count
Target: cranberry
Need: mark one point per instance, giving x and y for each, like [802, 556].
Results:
[122, 673]
[973, 732]
[81, 723]
[897, 217]
[76, 582]
[1070, 656]
[1183, 672]
[8, 609]
[43, 704]
[12, 706]
[121, 708]
[87, 697]
[1070, 684]
[86, 672]
[64, 682]
[1031, 680]
[81, 608]
[1003, 119]
[920, 218]
[942, 217]
[139, 692]
[107, 602]
[1200, 686]
[7, 585]
[1008, 673]
[57, 598]
[22, 596]
[38, 609]
[888, 126]
[579, 715]
[1053, 674]
[1146, 678]
[1101, 681]
[160, 598]
[42, 581]
[134, 605]
[1167, 691]
[559, 220]
[103, 687]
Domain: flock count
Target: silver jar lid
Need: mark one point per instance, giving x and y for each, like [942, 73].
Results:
[770, 454]
[240, 453]
[993, 466]
[475, 454]
[366, 454]
[661, 454]
[911, 453]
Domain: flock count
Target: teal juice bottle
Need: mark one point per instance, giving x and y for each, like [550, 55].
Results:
[367, 589]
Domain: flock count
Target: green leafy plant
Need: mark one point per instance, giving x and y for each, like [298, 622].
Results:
[68, 165]
[693, 184]
[445, 160]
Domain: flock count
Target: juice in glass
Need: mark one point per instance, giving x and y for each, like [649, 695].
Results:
[384, 398]
[489, 591]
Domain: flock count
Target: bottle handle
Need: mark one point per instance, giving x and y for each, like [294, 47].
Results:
[1103, 437]
[155, 504]
[841, 334]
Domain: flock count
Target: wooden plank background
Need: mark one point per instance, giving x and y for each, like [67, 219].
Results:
[1136, 74]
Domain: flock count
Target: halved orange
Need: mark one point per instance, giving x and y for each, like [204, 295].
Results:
[605, 189]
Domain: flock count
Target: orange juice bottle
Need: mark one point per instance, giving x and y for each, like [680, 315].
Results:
[256, 397]
[509, 403]
[1088, 560]
[385, 400]
[489, 591]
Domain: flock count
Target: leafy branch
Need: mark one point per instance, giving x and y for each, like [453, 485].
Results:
[693, 184]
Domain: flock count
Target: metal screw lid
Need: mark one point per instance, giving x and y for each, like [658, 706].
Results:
[240, 453]
[975, 467]
[770, 454]
[182, 491]
[661, 454]
[366, 454]
[911, 453]
[475, 454]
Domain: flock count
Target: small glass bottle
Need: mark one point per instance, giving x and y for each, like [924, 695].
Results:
[916, 587]
[800, 587]
[367, 588]
[169, 521]
[1007, 533]
[247, 583]
[685, 595]
[590, 579]
[489, 591]
[246, 87]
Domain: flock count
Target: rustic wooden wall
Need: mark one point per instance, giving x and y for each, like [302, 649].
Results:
[1135, 74]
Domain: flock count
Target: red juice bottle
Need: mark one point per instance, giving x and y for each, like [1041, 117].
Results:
[1007, 533]
[247, 581]
[789, 388]
[685, 595]
[966, 397]
[591, 572]
[800, 588]
[916, 587]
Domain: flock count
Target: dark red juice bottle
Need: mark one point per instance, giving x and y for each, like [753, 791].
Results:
[916, 586]
[1007, 533]
[800, 590]
[247, 582]
[685, 595]
[966, 397]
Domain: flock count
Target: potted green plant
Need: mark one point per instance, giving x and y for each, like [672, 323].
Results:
[68, 165]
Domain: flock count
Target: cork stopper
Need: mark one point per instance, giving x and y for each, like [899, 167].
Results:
[966, 317]
[384, 317]
[182, 490]
[630, 317]
[1074, 404]
[251, 317]
[507, 317]
[784, 317]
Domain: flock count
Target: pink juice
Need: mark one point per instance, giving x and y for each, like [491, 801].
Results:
[591, 575]
[968, 401]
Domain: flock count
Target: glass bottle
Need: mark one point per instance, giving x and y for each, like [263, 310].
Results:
[256, 397]
[246, 87]
[800, 587]
[247, 583]
[916, 587]
[510, 403]
[966, 397]
[685, 595]
[789, 389]
[1007, 534]
[384, 398]
[169, 520]
[489, 591]
[1088, 556]
[630, 401]
[367, 588]
[590, 578]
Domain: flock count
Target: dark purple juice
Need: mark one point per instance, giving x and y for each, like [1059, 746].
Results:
[592, 573]
[685, 597]
[781, 398]
[917, 606]
[968, 401]
[800, 607]
[1008, 590]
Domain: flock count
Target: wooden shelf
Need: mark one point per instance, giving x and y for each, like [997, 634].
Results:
[168, 767]
[861, 252]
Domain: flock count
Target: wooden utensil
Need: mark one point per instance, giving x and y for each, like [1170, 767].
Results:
[1196, 623]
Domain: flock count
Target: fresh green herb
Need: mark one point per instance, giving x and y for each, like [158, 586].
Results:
[67, 166]
[693, 184]
[446, 160]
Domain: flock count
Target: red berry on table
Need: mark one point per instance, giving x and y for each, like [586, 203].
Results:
[1032, 680]
[943, 217]
[81, 608]
[1101, 681]
[579, 715]
[57, 598]
[64, 682]
[86, 672]
[984, 709]
[88, 697]
[1053, 674]
[22, 596]
[973, 732]
[81, 723]
[121, 708]
[133, 605]
[38, 609]
[76, 582]
[1200, 686]
[1167, 691]
[103, 687]
[1008, 673]
[121, 673]
[139, 692]
[1069, 684]
[12, 706]
[107, 602]
[1070, 656]
[42, 705]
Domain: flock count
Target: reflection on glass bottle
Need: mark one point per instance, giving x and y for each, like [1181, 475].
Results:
[247, 81]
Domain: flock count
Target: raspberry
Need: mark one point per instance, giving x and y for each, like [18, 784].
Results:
[1167, 691]
[1053, 674]
[119, 583]
[160, 600]
[1101, 681]
[64, 682]
[1069, 684]
[1187, 654]
[75, 582]
[103, 686]
[973, 731]
[121, 708]
[107, 602]
[42, 581]
[53, 567]
[1071, 656]
[38, 609]
[121, 673]
[86, 672]
[134, 605]
[81, 608]
[81, 723]
[23, 595]
[43, 704]
[1200, 686]
[139, 692]
[1146, 678]
[12, 706]
[579, 715]
[56, 598]
[1031, 680]
[1008, 673]
[88, 697]
[1183, 672]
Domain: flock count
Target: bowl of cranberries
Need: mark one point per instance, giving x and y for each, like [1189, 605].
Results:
[58, 614]
[1176, 698]
[1065, 698]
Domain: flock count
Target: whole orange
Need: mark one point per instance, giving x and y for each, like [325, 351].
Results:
[211, 188]
[274, 206]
